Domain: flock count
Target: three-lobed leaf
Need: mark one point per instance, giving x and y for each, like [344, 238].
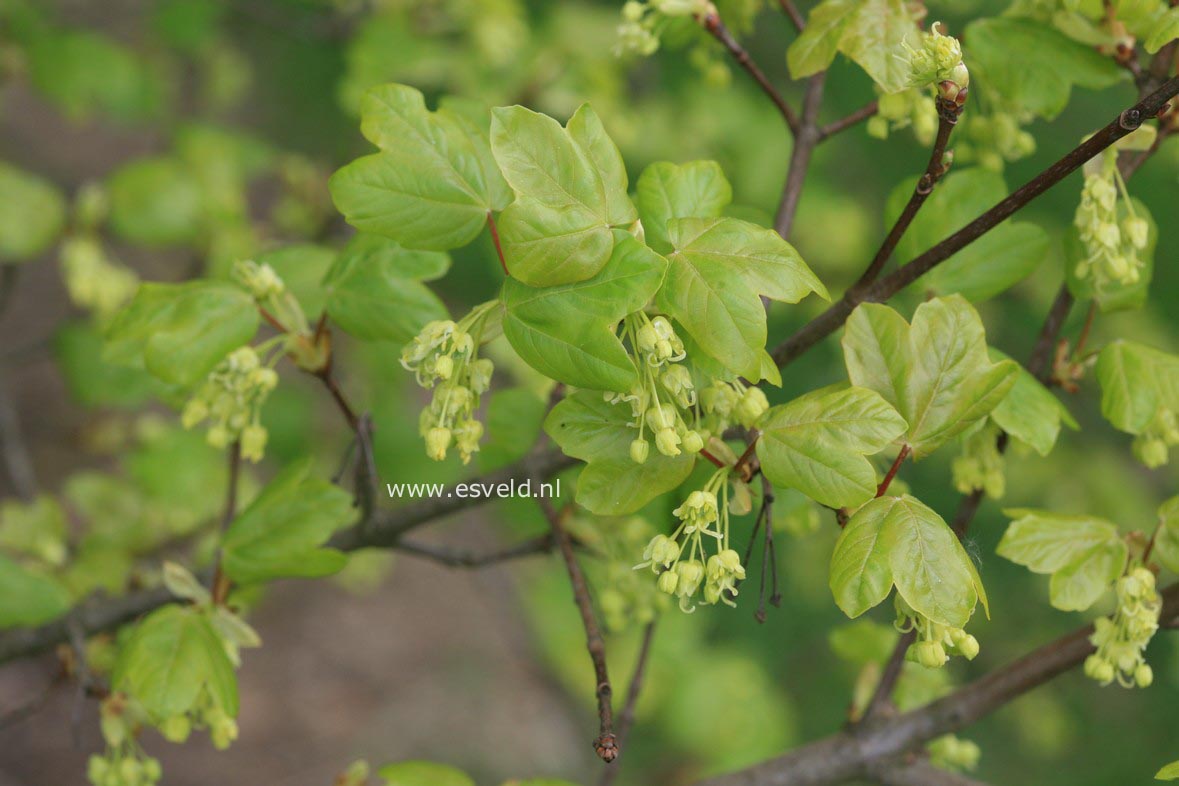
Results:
[567, 332]
[719, 269]
[1084, 555]
[587, 427]
[870, 32]
[665, 191]
[818, 443]
[900, 541]
[570, 186]
[935, 372]
[281, 533]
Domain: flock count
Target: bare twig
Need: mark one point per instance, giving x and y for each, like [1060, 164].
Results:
[844, 123]
[461, 558]
[793, 13]
[713, 24]
[805, 140]
[221, 583]
[902, 454]
[16, 453]
[626, 718]
[606, 745]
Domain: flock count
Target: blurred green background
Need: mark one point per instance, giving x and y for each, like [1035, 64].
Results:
[241, 109]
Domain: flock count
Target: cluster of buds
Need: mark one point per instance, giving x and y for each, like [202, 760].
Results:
[935, 642]
[1112, 244]
[993, 140]
[309, 350]
[444, 358]
[938, 61]
[93, 281]
[205, 714]
[1152, 446]
[1120, 639]
[701, 514]
[725, 403]
[909, 108]
[980, 465]
[664, 400]
[954, 753]
[124, 763]
[231, 399]
[626, 598]
[642, 22]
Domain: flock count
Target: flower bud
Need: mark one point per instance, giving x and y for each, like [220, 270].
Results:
[176, 728]
[667, 441]
[752, 406]
[437, 441]
[692, 442]
[444, 366]
[968, 647]
[1143, 675]
[667, 581]
[639, 450]
[253, 442]
[1137, 231]
[931, 654]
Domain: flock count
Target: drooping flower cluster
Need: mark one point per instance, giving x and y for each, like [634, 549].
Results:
[205, 714]
[935, 642]
[664, 400]
[444, 357]
[625, 597]
[980, 465]
[93, 280]
[937, 60]
[231, 399]
[642, 21]
[1152, 446]
[1113, 238]
[123, 763]
[682, 560]
[1120, 639]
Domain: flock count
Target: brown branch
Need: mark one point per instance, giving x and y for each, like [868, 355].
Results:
[921, 773]
[882, 696]
[713, 24]
[903, 454]
[221, 584]
[460, 558]
[805, 140]
[626, 718]
[606, 745]
[844, 123]
[793, 13]
[830, 320]
[495, 241]
[17, 460]
[859, 751]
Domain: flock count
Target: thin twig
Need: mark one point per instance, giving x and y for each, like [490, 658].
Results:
[606, 745]
[882, 696]
[844, 123]
[16, 453]
[902, 454]
[499, 249]
[713, 24]
[461, 558]
[793, 13]
[221, 583]
[805, 140]
[626, 718]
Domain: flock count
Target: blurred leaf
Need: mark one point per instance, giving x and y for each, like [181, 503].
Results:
[93, 382]
[281, 532]
[33, 214]
[1136, 382]
[936, 373]
[862, 642]
[30, 597]
[588, 427]
[374, 289]
[1030, 412]
[1164, 29]
[156, 202]
[423, 773]
[719, 268]
[570, 186]
[179, 332]
[35, 529]
[568, 331]
[665, 191]
[817, 443]
[1168, 773]
[1166, 542]
[170, 658]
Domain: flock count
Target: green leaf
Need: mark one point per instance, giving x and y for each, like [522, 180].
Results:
[936, 373]
[93, 382]
[567, 332]
[281, 533]
[870, 32]
[817, 443]
[302, 267]
[1083, 554]
[587, 427]
[1136, 382]
[1168, 773]
[1041, 79]
[719, 268]
[423, 773]
[432, 185]
[1030, 412]
[179, 332]
[1166, 542]
[992, 264]
[570, 187]
[1164, 30]
[374, 289]
[665, 191]
[170, 658]
[901, 541]
[33, 214]
[156, 202]
[30, 597]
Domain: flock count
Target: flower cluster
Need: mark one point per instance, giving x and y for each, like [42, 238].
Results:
[124, 763]
[1112, 238]
[938, 61]
[701, 514]
[664, 400]
[94, 281]
[1120, 639]
[643, 21]
[205, 714]
[992, 140]
[444, 358]
[1152, 446]
[625, 598]
[980, 464]
[935, 642]
[912, 107]
[231, 399]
